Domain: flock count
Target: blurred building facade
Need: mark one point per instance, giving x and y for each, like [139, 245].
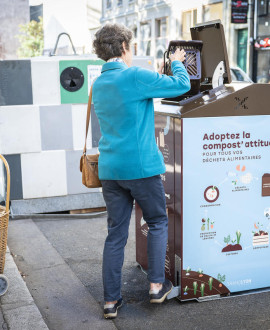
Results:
[12, 13]
[156, 22]
[261, 58]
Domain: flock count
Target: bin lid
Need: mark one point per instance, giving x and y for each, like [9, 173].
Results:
[214, 49]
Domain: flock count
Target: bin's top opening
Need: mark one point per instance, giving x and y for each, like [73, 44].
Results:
[214, 49]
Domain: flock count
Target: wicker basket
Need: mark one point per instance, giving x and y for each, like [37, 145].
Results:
[4, 217]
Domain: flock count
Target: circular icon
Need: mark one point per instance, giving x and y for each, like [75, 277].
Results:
[211, 194]
[72, 79]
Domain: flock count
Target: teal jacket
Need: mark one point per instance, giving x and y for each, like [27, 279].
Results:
[123, 101]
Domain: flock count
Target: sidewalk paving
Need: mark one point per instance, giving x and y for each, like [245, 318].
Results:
[18, 309]
[62, 262]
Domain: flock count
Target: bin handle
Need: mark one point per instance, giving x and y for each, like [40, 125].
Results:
[8, 182]
[56, 44]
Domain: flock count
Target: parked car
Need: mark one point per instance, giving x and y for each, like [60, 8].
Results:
[239, 75]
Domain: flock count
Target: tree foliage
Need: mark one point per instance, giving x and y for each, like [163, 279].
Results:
[31, 39]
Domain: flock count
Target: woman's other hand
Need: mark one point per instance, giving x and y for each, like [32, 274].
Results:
[161, 68]
[179, 55]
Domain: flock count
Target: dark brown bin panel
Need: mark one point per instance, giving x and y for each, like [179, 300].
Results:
[178, 186]
[164, 131]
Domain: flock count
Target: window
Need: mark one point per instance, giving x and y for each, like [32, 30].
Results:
[135, 42]
[135, 48]
[119, 3]
[161, 27]
[263, 7]
[263, 70]
[264, 26]
[134, 30]
[108, 4]
[189, 20]
[146, 38]
[263, 18]
[146, 30]
[212, 12]
[161, 32]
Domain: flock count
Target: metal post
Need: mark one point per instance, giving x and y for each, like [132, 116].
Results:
[255, 57]
[251, 37]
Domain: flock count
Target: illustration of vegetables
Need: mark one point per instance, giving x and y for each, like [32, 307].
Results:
[259, 231]
[188, 270]
[239, 169]
[203, 225]
[202, 289]
[238, 235]
[186, 288]
[221, 278]
[195, 287]
[227, 239]
[210, 282]
[212, 224]
[234, 241]
[208, 220]
[200, 271]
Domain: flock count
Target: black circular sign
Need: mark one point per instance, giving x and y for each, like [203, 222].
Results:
[72, 79]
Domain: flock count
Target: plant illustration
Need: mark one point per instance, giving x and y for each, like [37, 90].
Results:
[234, 241]
[186, 288]
[195, 287]
[212, 224]
[232, 247]
[210, 282]
[208, 220]
[202, 289]
[188, 270]
[221, 278]
[227, 239]
[238, 235]
[200, 271]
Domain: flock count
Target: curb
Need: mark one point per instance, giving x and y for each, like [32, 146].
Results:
[17, 304]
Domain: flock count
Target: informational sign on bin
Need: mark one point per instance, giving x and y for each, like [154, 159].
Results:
[226, 205]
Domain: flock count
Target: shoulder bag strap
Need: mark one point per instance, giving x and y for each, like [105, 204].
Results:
[88, 115]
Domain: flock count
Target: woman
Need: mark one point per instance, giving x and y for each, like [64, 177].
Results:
[130, 162]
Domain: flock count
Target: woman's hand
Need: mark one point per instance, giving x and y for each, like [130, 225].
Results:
[161, 68]
[179, 55]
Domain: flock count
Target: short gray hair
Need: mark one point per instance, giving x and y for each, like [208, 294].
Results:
[109, 40]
